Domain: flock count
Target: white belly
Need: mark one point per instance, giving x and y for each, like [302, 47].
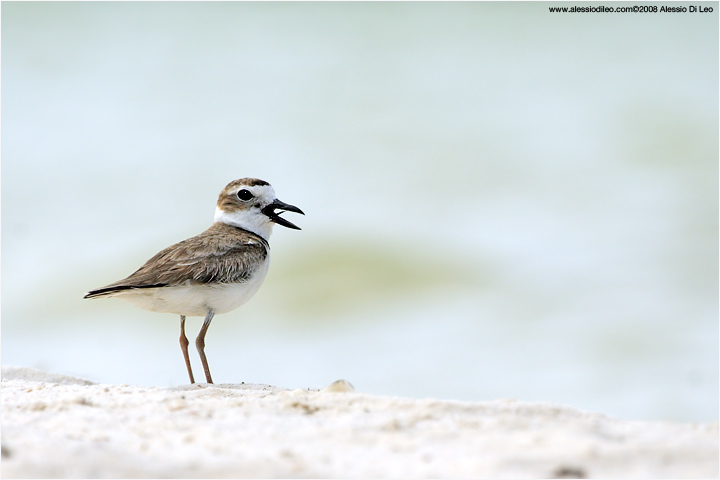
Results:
[196, 300]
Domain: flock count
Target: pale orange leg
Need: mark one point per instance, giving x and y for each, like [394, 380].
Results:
[200, 344]
[183, 345]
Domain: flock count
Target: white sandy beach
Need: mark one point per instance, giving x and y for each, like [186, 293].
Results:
[55, 426]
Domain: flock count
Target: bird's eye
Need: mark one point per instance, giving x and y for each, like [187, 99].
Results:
[244, 195]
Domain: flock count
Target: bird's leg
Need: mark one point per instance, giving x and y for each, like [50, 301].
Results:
[183, 345]
[200, 344]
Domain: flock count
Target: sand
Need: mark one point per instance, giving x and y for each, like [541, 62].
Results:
[55, 426]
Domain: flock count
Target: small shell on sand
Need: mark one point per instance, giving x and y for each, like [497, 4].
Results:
[338, 386]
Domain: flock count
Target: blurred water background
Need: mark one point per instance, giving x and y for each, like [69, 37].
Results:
[501, 202]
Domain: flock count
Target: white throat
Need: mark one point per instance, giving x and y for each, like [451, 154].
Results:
[252, 221]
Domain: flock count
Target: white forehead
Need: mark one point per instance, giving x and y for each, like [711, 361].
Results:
[259, 191]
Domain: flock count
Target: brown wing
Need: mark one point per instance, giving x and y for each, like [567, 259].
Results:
[221, 254]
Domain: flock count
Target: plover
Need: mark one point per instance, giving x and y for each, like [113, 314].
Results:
[214, 272]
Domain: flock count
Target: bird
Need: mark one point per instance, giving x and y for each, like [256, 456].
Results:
[214, 272]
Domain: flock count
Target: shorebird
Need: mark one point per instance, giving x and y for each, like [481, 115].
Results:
[214, 272]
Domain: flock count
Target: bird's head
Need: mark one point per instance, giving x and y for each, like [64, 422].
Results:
[251, 204]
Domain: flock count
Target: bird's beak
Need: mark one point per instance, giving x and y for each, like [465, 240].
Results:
[269, 210]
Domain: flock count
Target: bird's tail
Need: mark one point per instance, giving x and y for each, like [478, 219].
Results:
[113, 290]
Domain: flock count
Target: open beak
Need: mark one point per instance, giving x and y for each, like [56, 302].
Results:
[269, 210]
